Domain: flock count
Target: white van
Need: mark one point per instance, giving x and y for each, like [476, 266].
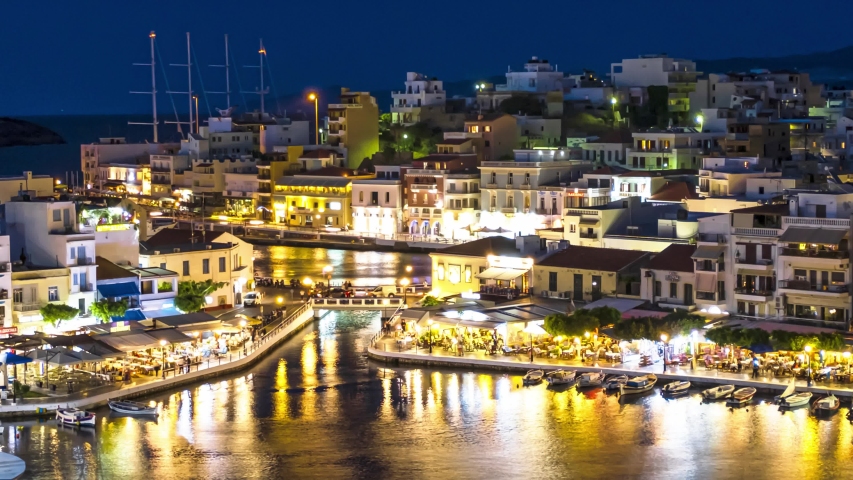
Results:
[385, 291]
[251, 298]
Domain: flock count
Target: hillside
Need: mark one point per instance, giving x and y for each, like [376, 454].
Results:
[14, 132]
[832, 66]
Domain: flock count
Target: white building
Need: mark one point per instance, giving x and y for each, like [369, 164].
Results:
[421, 94]
[535, 131]
[116, 150]
[673, 148]
[377, 204]
[678, 74]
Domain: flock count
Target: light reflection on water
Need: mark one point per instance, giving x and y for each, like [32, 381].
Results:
[361, 268]
[318, 408]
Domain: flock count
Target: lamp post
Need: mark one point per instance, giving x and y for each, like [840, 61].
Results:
[808, 350]
[693, 349]
[314, 98]
[163, 356]
[327, 272]
[429, 324]
[701, 121]
[663, 339]
[613, 103]
[404, 282]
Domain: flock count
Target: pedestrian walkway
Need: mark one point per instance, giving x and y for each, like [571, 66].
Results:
[387, 347]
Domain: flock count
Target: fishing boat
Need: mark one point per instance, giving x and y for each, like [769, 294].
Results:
[591, 379]
[131, 408]
[828, 404]
[615, 382]
[74, 416]
[675, 388]
[741, 396]
[718, 392]
[796, 400]
[779, 399]
[639, 384]
[533, 377]
[560, 377]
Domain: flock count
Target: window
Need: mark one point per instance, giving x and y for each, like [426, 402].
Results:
[837, 277]
[454, 273]
[360, 196]
[673, 290]
[387, 197]
[721, 290]
[761, 190]
[221, 264]
[18, 295]
[205, 266]
[573, 228]
[186, 267]
[657, 288]
[467, 273]
[53, 294]
[493, 178]
[487, 128]
[163, 265]
[57, 216]
[509, 178]
[75, 279]
[73, 253]
[441, 271]
[552, 281]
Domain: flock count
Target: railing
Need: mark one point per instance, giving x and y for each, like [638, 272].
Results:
[508, 210]
[87, 287]
[85, 261]
[754, 291]
[588, 235]
[27, 307]
[811, 253]
[758, 232]
[706, 296]
[360, 302]
[491, 185]
[754, 261]
[828, 222]
[807, 286]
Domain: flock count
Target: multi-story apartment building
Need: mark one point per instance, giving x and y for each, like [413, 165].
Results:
[377, 203]
[251, 132]
[241, 193]
[784, 92]
[354, 125]
[528, 192]
[317, 199]
[442, 194]
[805, 134]
[677, 74]
[609, 149]
[538, 79]
[50, 238]
[116, 150]
[134, 179]
[422, 100]
[674, 148]
[199, 256]
[495, 135]
[27, 184]
[668, 280]
[536, 131]
[207, 177]
[758, 139]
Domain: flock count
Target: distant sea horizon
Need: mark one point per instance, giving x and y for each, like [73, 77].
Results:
[76, 130]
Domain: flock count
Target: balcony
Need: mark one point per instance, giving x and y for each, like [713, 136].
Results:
[737, 136]
[761, 262]
[757, 232]
[84, 261]
[547, 211]
[591, 236]
[491, 185]
[423, 186]
[748, 293]
[302, 210]
[27, 307]
[718, 238]
[87, 287]
[706, 296]
[816, 222]
[805, 285]
[525, 186]
[161, 169]
[508, 210]
[812, 253]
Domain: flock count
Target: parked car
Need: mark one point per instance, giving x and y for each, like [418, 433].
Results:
[360, 292]
[385, 291]
[340, 293]
[252, 298]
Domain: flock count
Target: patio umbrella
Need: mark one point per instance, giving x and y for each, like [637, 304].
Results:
[38, 355]
[12, 359]
[533, 329]
[88, 357]
[62, 356]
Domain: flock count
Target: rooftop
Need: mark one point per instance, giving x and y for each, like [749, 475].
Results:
[615, 136]
[453, 141]
[674, 258]
[330, 171]
[772, 209]
[497, 245]
[659, 173]
[318, 153]
[674, 192]
[485, 117]
[312, 181]
[108, 270]
[593, 258]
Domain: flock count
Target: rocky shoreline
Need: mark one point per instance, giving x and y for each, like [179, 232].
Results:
[15, 133]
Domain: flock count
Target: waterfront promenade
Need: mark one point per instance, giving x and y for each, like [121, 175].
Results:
[236, 360]
[386, 349]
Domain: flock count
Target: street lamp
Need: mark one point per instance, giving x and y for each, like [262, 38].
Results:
[408, 269]
[663, 339]
[429, 323]
[314, 98]
[404, 282]
[327, 272]
[163, 356]
[700, 120]
[808, 350]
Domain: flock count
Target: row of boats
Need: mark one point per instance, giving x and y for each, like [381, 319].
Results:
[83, 418]
[625, 385]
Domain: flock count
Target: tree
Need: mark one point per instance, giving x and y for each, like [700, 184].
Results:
[53, 313]
[651, 328]
[191, 294]
[606, 315]
[430, 301]
[105, 309]
[578, 323]
[521, 105]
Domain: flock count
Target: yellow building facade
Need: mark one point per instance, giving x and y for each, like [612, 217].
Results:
[315, 202]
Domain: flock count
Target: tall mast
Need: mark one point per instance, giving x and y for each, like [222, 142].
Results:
[227, 68]
[189, 92]
[153, 92]
[260, 66]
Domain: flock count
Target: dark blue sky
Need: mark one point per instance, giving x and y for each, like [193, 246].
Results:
[60, 56]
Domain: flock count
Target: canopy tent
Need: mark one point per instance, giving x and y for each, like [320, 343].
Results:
[129, 341]
[534, 329]
[101, 349]
[818, 236]
[89, 357]
[62, 356]
[495, 273]
[171, 335]
[38, 355]
[8, 358]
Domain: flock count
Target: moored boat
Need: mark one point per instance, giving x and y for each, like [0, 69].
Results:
[787, 393]
[591, 379]
[639, 384]
[718, 392]
[615, 382]
[560, 377]
[131, 408]
[675, 388]
[74, 416]
[796, 400]
[741, 396]
[826, 404]
[533, 377]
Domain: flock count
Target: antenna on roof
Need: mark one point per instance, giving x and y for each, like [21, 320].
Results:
[153, 91]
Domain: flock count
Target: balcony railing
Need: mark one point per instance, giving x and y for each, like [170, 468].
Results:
[508, 210]
[754, 261]
[712, 237]
[812, 253]
[588, 235]
[754, 291]
[807, 286]
[85, 261]
[87, 287]
[27, 307]
[706, 296]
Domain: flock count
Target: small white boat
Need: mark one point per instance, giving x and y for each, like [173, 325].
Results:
[639, 384]
[131, 408]
[675, 388]
[827, 404]
[787, 393]
[560, 377]
[591, 379]
[533, 377]
[796, 400]
[718, 392]
[615, 382]
[74, 416]
[11, 466]
[741, 396]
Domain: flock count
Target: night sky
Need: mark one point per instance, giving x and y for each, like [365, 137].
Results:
[71, 57]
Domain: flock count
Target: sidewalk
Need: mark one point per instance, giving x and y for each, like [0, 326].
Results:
[386, 347]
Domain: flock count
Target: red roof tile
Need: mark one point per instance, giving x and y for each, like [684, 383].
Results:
[674, 192]
[674, 258]
[593, 258]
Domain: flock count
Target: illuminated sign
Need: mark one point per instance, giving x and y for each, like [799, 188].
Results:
[470, 295]
[510, 262]
[8, 330]
[116, 227]
[120, 327]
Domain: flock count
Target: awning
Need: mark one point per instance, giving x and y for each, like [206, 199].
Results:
[128, 342]
[494, 273]
[170, 335]
[589, 221]
[123, 289]
[133, 314]
[706, 282]
[183, 320]
[706, 252]
[819, 236]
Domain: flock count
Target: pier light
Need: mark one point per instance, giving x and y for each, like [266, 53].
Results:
[279, 300]
[663, 337]
[408, 269]
[307, 281]
[586, 334]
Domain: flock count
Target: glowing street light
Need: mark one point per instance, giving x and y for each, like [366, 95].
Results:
[408, 269]
[663, 338]
[314, 98]
[808, 350]
[700, 120]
